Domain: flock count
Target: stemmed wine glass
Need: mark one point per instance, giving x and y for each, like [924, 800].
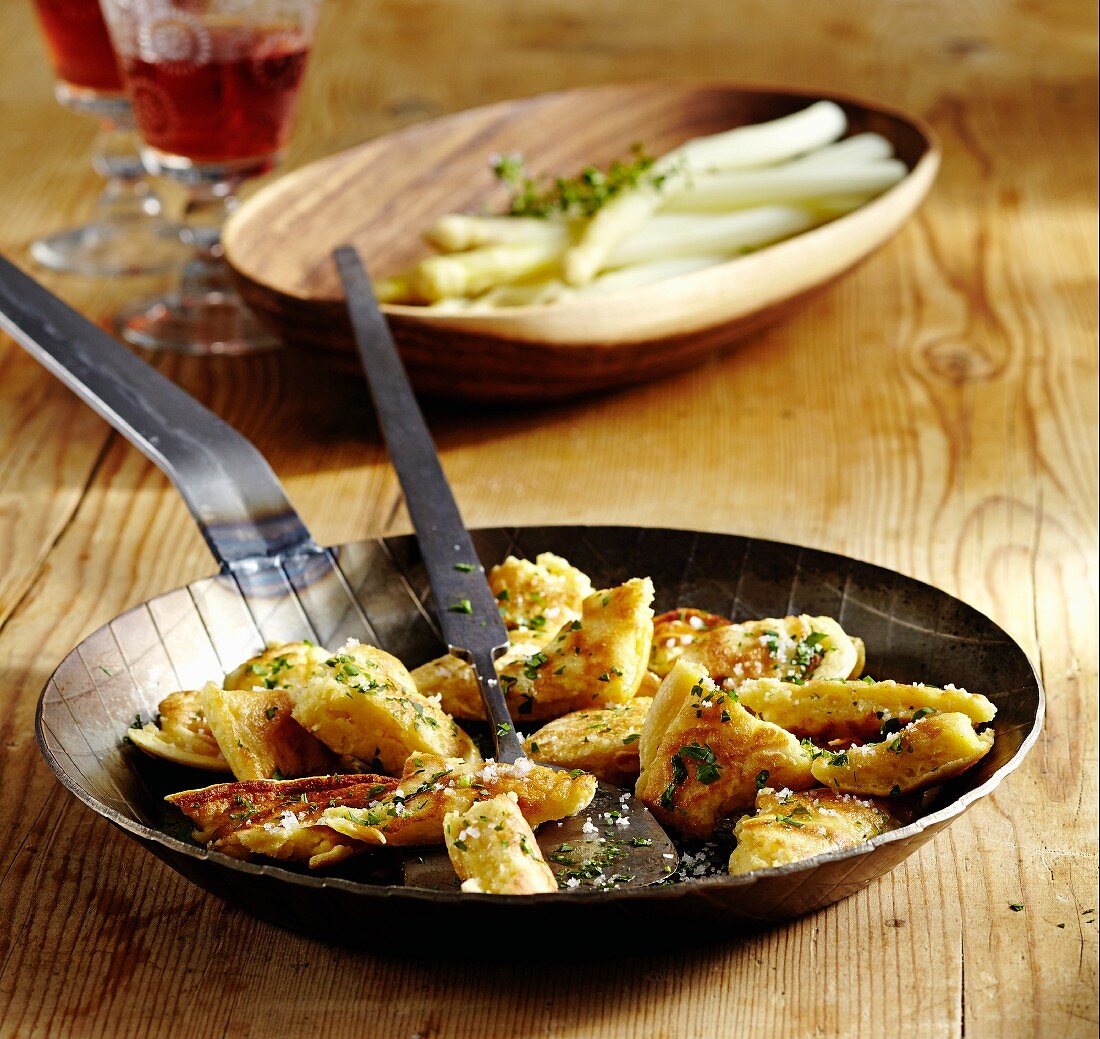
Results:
[128, 234]
[213, 84]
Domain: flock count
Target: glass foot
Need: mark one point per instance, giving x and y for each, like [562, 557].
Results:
[105, 249]
[199, 324]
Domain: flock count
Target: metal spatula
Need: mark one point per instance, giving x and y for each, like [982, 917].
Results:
[616, 841]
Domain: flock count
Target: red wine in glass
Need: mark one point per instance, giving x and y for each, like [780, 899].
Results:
[214, 85]
[128, 234]
[79, 46]
[230, 102]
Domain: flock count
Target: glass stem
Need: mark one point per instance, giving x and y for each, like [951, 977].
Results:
[128, 194]
[205, 213]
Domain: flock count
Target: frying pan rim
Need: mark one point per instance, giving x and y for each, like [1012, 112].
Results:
[935, 821]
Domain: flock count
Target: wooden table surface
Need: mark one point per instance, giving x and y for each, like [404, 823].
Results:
[935, 412]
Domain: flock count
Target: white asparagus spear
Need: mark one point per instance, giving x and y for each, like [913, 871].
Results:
[470, 273]
[477, 270]
[639, 274]
[456, 232]
[798, 182]
[863, 147]
[666, 236]
[742, 147]
[397, 288]
[662, 237]
[554, 290]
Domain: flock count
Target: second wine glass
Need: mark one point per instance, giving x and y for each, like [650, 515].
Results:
[213, 87]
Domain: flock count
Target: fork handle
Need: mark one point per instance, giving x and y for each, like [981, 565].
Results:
[465, 605]
[236, 499]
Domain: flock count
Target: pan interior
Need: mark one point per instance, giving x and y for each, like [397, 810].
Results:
[377, 591]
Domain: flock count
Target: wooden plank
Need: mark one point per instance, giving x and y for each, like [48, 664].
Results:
[935, 412]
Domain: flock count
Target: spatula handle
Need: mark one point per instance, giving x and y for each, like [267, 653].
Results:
[236, 499]
[468, 613]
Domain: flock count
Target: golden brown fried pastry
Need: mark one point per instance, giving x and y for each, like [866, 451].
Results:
[789, 827]
[451, 680]
[674, 631]
[259, 738]
[279, 819]
[603, 742]
[433, 786]
[598, 660]
[283, 665]
[793, 649]
[542, 596]
[704, 756]
[651, 682]
[181, 734]
[494, 851]
[364, 703]
[830, 710]
[925, 753]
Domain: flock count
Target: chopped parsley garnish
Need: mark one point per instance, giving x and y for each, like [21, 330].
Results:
[532, 665]
[581, 195]
[792, 819]
[707, 770]
[465, 568]
[462, 606]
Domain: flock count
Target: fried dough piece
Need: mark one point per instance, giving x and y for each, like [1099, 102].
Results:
[494, 851]
[542, 596]
[181, 734]
[451, 680]
[279, 819]
[793, 649]
[651, 682]
[433, 786]
[674, 631]
[829, 710]
[927, 752]
[364, 703]
[789, 827]
[703, 755]
[596, 661]
[603, 742]
[258, 736]
[283, 665]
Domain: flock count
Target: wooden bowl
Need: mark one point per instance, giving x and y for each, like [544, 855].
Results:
[379, 196]
[913, 632]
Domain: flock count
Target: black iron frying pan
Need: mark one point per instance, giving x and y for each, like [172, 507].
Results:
[275, 583]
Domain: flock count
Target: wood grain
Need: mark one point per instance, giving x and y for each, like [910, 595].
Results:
[936, 412]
